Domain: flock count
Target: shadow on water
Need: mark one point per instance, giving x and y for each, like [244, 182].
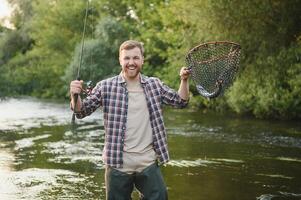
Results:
[213, 156]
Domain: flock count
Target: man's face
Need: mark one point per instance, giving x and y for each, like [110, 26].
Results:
[131, 62]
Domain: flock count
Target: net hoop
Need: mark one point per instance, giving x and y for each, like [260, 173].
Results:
[213, 66]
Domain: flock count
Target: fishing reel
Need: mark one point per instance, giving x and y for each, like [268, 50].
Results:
[88, 87]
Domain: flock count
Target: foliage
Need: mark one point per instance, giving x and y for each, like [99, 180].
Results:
[276, 91]
[42, 54]
[100, 55]
[12, 43]
[55, 27]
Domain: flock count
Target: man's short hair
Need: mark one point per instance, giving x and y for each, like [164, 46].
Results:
[131, 44]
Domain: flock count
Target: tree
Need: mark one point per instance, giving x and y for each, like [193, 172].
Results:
[55, 27]
[100, 55]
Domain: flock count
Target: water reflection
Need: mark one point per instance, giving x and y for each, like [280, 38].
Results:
[85, 146]
[35, 183]
[280, 195]
[28, 142]
[213, 156]
[26, 113]
[8, 190]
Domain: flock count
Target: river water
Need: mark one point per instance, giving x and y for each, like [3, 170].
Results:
[213, 157]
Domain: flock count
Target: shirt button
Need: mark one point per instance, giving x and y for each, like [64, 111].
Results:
[123, 128]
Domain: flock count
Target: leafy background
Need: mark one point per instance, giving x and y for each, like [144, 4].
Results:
[40, 55]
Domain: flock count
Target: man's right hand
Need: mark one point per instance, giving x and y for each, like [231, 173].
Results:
[76, 87]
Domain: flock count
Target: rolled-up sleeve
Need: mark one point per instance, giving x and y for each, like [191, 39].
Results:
[91, 102]
[171, 97]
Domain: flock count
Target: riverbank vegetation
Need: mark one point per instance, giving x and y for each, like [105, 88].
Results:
[41, 54]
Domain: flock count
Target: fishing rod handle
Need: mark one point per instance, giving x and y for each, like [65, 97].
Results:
[75, 99]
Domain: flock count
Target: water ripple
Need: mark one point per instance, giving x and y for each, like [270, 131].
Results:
[26, 113]
[28, 142]
[200, 162]
[285, 195]
[34, 183]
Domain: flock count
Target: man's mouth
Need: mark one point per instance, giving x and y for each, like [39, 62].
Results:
[131, 67]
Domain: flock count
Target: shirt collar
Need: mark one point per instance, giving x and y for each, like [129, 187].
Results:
[121, 79]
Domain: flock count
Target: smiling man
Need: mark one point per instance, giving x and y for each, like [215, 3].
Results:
[131, 61]
[135, 136]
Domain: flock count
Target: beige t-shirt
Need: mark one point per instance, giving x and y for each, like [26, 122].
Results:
[138, 152]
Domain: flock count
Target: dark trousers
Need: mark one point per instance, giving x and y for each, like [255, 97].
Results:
[149, 182]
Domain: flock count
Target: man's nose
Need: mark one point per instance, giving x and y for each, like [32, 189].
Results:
[131, 61]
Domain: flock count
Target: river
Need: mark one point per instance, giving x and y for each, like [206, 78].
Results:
[213, 156]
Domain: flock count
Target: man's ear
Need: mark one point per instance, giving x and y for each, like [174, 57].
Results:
[119, 60]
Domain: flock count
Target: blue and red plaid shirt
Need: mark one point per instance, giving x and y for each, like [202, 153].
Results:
[112, 95]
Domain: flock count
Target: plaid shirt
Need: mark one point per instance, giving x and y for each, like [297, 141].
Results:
[112, 95]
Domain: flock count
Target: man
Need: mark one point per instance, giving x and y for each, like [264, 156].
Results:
[135, 136]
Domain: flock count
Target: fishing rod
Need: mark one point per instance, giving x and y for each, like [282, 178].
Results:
[75, 97]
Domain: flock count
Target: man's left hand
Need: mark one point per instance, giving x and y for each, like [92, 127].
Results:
[184, 73]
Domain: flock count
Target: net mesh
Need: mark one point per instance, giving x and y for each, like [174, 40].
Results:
[213, 66]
